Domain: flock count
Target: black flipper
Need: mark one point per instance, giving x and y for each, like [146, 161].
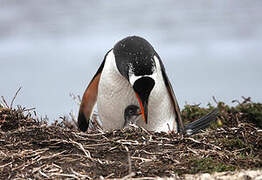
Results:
[89, 99]
[82, 122]
[202, 123]
[179, 121]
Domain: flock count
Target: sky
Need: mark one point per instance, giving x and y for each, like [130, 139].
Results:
[53, 48]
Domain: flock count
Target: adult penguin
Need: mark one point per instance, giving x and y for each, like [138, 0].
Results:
[131, 73]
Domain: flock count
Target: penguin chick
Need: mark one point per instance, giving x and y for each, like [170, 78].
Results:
[130, 115]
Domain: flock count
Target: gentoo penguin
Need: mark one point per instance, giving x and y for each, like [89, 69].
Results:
[131, 114]
[131, 73]
[133, 111]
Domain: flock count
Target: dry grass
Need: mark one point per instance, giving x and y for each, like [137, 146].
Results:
[32, 149]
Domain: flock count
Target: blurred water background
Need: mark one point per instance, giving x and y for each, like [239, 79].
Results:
[53, 48]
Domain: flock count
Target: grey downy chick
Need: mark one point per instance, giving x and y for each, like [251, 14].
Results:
[131, 115]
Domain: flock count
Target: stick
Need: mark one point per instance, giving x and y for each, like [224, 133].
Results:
[15, 97]
[3, 99]
[87, 153]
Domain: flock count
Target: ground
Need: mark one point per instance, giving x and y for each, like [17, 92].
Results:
[30, 148]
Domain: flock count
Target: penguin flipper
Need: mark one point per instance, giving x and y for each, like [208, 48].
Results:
[202, 123]
[89, 100]
[179, 121]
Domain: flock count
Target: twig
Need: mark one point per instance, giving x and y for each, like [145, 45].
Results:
[80, 175]
[5, 103]
[2, 153]
[50, 157]
[77, 99]
[87, 153]
[192, 150]
[127, 142]
[214, 99]
[65, 175]
[6, 164]
[151, 153]
[142, 159]
[15, 97]
[248, 99]
[37, 169]
[128, 176]
[208, 144]
[236, 101]
[110, 175]
[94, 145]
[81, 134]
[146, 131]
[43, 174]
[71, 114]
[29, 109]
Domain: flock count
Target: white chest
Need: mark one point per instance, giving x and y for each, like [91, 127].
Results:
[115, 94]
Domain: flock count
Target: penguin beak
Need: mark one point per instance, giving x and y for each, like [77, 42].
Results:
[144, 107]
[143, 87]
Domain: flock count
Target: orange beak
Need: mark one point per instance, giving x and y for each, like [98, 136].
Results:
[143, 107]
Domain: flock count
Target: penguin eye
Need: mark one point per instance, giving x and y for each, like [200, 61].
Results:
[131, 111]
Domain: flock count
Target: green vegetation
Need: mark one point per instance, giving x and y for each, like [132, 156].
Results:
[208, 165]
[244, 112]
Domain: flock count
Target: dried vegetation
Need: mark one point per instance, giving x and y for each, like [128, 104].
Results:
[30, 148]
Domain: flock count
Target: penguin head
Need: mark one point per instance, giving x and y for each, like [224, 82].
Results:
[135, 61]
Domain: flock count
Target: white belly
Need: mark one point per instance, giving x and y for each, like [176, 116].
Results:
[115, 94]
[113, 98]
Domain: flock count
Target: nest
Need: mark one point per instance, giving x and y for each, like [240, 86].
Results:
[30, 148]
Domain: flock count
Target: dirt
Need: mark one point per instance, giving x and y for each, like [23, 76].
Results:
[30, 148]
